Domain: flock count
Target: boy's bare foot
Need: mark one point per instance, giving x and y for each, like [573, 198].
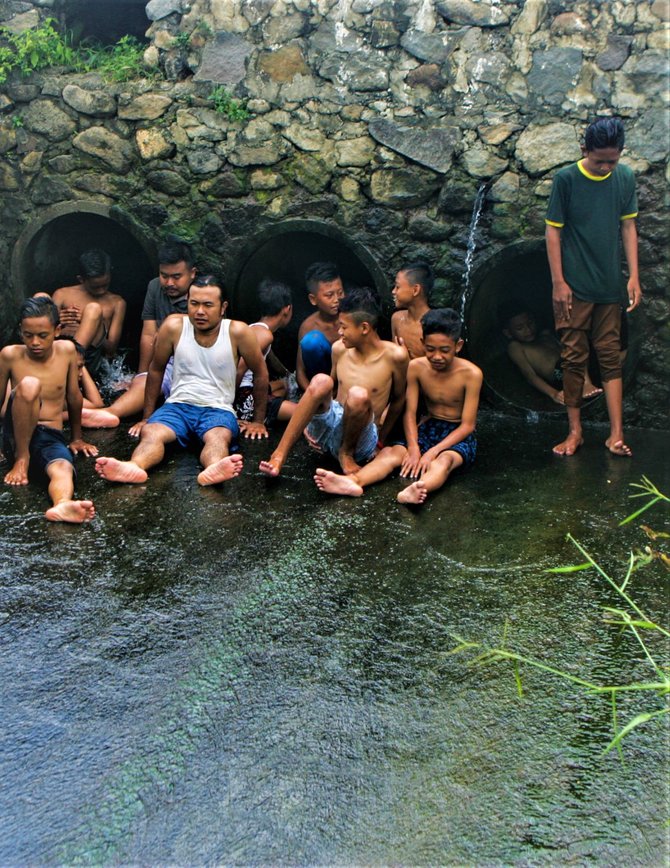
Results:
[119, 471]
[18, 475]
[222, 470]
[618, 447]
[414, 494]
[568, 446]
[73, 511]
[98, 419]
[590, 391]
[333, 483]
[271, 467]
[347, 463]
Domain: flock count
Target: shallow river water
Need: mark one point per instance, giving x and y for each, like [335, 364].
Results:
[257, 674]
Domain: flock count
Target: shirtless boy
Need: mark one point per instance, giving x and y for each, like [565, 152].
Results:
[367, 378]
[42, 373]
[445, 439]
[537, 355]
[319, 331]
[91, 313]
[411, 291]
[206, 349]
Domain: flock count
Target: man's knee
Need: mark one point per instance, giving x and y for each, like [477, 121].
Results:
[155, 432]
[29, 388]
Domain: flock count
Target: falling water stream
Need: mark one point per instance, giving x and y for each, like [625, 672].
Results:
[258, 674]
[477, 209]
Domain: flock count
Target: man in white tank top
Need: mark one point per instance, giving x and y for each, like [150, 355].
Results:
[206, 350]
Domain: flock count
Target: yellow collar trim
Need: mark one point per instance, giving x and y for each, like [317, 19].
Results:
[589, 175]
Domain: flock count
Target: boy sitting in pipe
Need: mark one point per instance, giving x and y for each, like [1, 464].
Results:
[537, 354]
[319, 331]
[367, 380]
[445, 438]
[43, 372]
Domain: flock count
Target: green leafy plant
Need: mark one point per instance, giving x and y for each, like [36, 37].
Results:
[120, 62]
[17, 122]
[35, 49]
[227, 105]
[629, 618]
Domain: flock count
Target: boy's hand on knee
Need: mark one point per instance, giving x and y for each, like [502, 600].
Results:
[410, 465]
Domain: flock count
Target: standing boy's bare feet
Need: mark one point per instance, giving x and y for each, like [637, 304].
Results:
[72, 511]
[334, 483]
[98, 419]
[414, 494]
[618, 447]
[18, 475]
[119, 471]
[220, 471]
[568, 446]
[271, 467]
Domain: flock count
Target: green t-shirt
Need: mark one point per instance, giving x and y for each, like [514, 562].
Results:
[589, 210]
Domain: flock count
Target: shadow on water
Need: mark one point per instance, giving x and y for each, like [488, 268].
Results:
[257, 674]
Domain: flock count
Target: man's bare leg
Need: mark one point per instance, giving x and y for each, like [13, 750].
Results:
[132, 401]
[149, 452]
[25, 416]
[614, 397]
[91, 329]
[357, 414]
[315, 400]
[574, 439]
[434, 478]
[215, 458]
[383, 464]
[61, 491]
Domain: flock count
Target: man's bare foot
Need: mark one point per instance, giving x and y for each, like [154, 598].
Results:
[98, 419]
[72, 511]
[347, 463]
[414, 494]
[568, 446]
[618, 447]
[222, 470]
[119, 471]
[590, 391]
[271, 467]
[333, 483]
[18, 475]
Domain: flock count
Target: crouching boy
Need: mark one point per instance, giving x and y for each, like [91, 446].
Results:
[43, 372]
[445, 438]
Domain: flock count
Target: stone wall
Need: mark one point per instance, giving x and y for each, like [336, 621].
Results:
[383, 118]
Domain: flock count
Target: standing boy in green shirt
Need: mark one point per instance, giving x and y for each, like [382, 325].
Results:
[592, 204]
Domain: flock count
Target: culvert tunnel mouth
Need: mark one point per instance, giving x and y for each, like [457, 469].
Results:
[283, 252]
[46, 257]
[518, 275]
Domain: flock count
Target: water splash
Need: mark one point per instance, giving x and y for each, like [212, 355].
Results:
[477, 209]
[114, 376]
[532, 417]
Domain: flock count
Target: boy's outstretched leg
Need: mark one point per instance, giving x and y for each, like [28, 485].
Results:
[614, 397]
[25, 413]
[215, 458]
[434, 478]
[61, 491]
[147, 454]
[352, 485]
[315, 400]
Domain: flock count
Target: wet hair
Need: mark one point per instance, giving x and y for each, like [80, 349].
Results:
[40, 305]
[443, 321]
[512, 308]
[320, 272]
[605, 133]
[421, 273]
[273, 297]
[211, 280]
[175, 251]
[94, 263]
[361, 305]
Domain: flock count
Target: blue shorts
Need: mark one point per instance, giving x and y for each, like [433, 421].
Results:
[433, 431]
[327, 428]
[187, 420]
[46, 444]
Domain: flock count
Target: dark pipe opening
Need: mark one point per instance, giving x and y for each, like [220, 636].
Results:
[284, 252]
[105, 21]
[519, 272]
[48, 259]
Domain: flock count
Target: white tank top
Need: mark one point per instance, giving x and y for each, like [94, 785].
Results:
[204, 376]
[248, 378]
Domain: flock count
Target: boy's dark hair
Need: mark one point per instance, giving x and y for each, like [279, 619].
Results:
[443, 321]
[40, 305]
[175, 251]
[273, 297]
[421, 273]
[211, 280]
[605, 133]
[94, 263]
[320, 272]
[512, 308]
[361, 305]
